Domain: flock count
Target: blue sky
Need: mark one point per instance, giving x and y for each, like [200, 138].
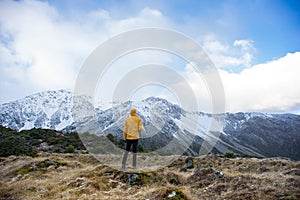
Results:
[274, 25]
[255, 44]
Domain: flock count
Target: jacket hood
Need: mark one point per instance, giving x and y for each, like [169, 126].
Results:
[133, 112]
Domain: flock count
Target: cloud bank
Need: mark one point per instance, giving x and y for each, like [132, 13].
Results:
[272, 86]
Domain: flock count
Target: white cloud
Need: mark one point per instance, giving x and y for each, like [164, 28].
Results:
[41, 46]
[41, 49]
[273, 86]
[229, 57]
[245, 44]
[268, 87]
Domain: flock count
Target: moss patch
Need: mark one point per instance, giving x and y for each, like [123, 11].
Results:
[24, 170]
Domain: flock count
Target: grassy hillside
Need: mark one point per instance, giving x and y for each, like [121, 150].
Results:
[46, 164]
[80, 176]
[30, 142]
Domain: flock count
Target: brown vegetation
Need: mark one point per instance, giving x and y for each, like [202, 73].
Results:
[71, 176]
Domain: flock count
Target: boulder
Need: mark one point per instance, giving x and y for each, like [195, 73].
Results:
[189, 163]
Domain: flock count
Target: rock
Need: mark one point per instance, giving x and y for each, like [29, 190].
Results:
[35, 165]
[16, 178]
[198, 168]
[45, 164]
[133, 179]
[173, 194]
[143, 157]
[49, 163]
[189, 163]
[108, 174]
[263, 169]
[209, 168]
[219, 174]
[32, 188]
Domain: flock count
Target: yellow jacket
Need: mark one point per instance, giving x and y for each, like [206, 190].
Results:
[132, 126]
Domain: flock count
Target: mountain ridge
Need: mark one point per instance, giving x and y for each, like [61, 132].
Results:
[251, 133]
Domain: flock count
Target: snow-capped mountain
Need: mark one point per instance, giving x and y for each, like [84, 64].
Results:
[51, 109]
[164, 123]
[268, 134]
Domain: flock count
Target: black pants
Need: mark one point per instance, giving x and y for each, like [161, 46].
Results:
[134, 144]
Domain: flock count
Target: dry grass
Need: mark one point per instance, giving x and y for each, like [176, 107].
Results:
[70, 176]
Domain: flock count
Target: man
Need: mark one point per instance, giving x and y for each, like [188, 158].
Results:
[132, 132]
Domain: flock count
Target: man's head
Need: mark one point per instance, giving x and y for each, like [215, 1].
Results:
[133, 112]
